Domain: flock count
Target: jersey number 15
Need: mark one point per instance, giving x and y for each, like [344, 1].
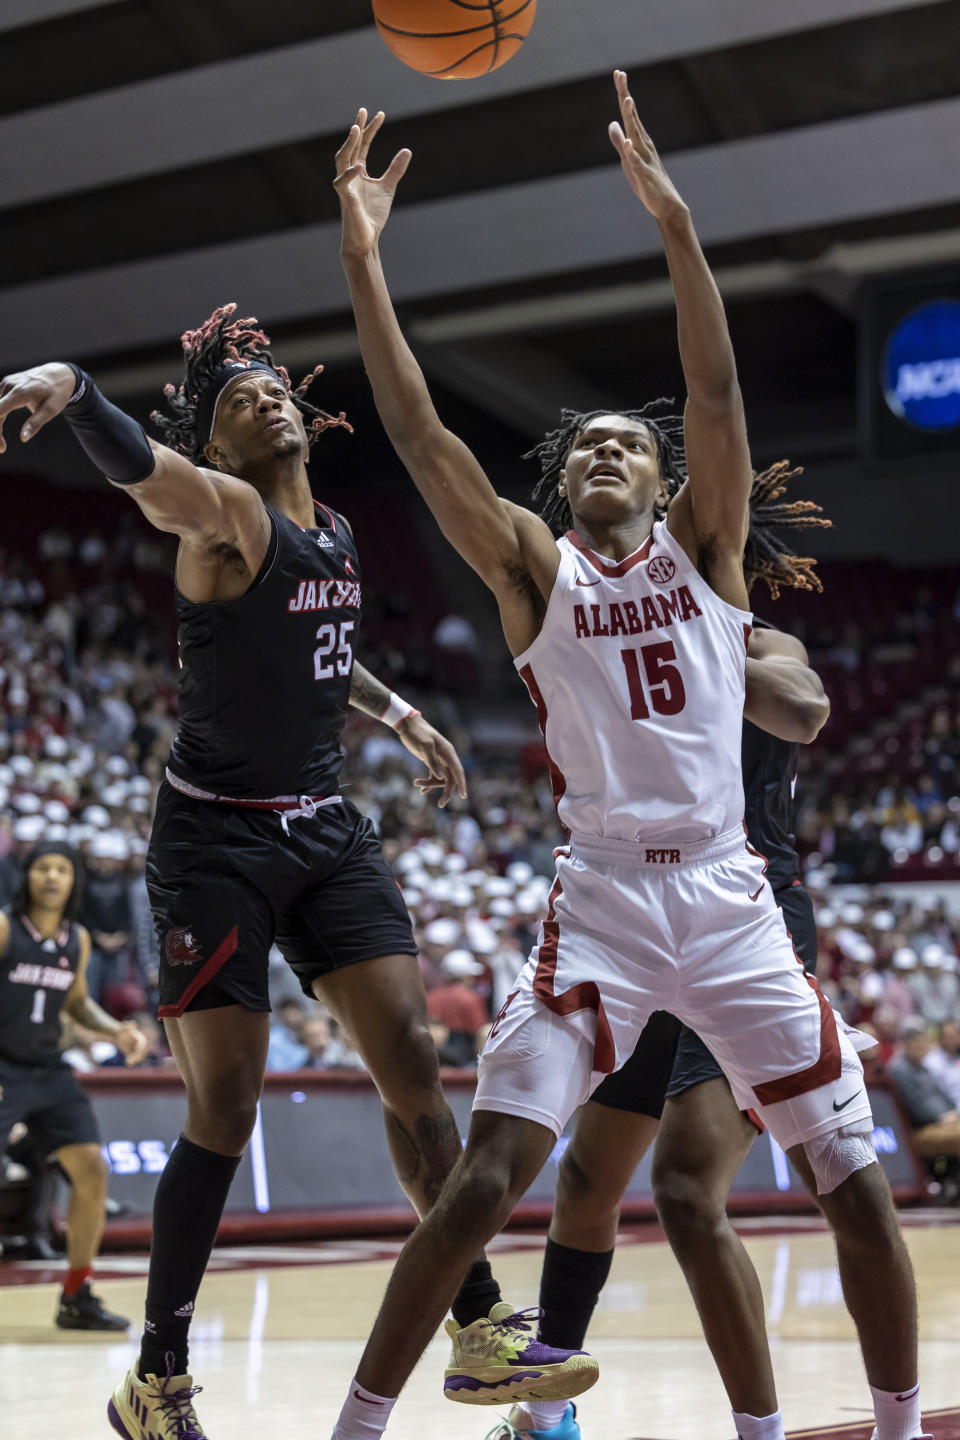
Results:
[663, 680]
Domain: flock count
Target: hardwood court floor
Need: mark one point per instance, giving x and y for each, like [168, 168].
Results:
[279, 1330]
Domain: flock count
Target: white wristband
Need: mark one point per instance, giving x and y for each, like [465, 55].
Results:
[396, 711]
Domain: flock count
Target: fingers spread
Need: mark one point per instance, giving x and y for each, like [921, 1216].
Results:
[369, 131]
[397, 168]
[346, 155]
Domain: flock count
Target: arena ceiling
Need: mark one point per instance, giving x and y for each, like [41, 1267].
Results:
[158, 157]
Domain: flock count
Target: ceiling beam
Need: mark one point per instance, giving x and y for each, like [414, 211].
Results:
[302, 91]
[824, 174]
[15, 14]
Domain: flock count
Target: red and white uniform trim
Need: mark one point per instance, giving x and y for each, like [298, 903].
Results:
[638, 677]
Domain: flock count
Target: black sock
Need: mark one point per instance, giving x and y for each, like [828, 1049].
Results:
[191, 1194]
[477, 1295]
[570, 1285]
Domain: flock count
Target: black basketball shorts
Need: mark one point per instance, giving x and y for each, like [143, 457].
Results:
[226, 882]
[656, 1070]
[50, 1101]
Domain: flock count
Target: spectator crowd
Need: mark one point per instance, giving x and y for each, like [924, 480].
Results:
[87, 712]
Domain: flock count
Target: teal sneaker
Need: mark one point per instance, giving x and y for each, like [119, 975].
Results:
[517, 1427]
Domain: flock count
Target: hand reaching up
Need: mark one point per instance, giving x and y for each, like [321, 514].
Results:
[639, 159]
[365, 201]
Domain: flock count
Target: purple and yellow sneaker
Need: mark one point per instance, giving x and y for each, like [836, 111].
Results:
[498, 1360]
[155, 1409]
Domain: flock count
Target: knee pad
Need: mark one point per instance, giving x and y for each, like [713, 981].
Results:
[835, 1157]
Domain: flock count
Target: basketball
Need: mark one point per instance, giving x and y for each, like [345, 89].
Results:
[454, 39]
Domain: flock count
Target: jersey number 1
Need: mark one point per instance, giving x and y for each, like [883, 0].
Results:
[39, 1005]
[664, 681]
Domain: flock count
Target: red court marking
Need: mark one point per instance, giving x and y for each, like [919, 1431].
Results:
[944, 1423]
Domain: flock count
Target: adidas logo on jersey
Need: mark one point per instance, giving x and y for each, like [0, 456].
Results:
[326, 541]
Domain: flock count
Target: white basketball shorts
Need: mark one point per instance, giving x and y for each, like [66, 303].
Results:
[691, 929]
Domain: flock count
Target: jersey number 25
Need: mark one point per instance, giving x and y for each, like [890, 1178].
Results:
[333, 638]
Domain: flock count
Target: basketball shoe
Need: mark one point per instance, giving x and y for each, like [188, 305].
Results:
[86, 1311]
[155, 1409]
[517, 1427]
[498, 1359]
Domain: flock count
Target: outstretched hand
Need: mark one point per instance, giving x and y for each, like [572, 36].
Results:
[445, 773]
[365, 201]
[639, 159]
[44, 391]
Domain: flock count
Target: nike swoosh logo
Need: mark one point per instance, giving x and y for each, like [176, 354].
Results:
[838, 1108]
[367, 1401]
[910, 1394]
[758, 894]
[578, 581]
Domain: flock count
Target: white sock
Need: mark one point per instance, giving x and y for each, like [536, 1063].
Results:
[759, 1427]
[897, 1412]
[364, 1415]
[544, 1414]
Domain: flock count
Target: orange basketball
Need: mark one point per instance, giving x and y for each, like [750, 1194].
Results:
[454, 39]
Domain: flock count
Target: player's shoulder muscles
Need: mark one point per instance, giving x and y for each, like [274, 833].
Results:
[536, 554]
[195, 503]
[776, 644]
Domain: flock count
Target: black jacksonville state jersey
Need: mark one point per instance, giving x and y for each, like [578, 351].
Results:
[35, 977]
[265, 678]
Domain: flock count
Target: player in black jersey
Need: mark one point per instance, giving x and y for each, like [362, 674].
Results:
[702, 1138]
[43, 968]
[253, 839]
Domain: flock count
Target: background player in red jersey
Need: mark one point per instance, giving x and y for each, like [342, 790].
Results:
[703, 1136]
[252, 839]
[624, 937]
[43, 975]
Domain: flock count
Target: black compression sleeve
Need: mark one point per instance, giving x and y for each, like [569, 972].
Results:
[116, 444]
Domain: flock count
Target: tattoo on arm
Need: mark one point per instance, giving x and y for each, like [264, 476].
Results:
[367, 693]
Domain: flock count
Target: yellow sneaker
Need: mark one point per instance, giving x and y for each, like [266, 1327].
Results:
[155, 1409]
[499, 1359]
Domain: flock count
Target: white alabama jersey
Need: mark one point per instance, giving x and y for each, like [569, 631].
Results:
[638, 677]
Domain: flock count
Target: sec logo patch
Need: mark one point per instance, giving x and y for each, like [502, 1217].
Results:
[661, 569]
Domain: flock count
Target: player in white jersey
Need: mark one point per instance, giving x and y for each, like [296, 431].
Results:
[631, 634]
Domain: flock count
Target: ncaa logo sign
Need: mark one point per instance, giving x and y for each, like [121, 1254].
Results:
[661, 569]
[920, 371]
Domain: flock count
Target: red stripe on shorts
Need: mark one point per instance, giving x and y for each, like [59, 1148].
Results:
[824, 1072]
[585, 996]
[203, 976]
[827, 1069]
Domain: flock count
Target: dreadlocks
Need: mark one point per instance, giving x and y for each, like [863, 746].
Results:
[664, 425]
[213, 355]
[765, 558]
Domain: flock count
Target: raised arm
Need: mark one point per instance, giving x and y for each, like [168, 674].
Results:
[784, 695]
[709, 517]
[207, 510]
[511, 549]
